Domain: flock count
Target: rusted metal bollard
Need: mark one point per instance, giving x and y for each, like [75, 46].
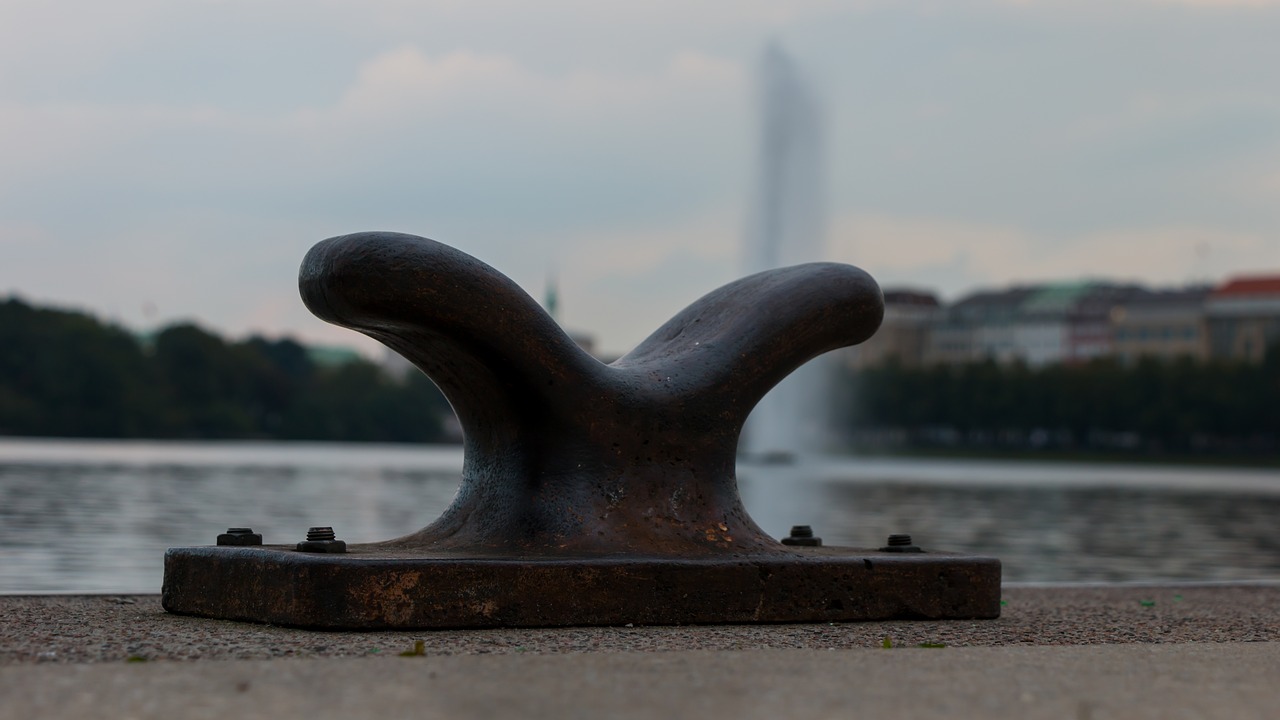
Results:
[591, 493]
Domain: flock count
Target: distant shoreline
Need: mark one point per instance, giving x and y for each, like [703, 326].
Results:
[18, 448]
[1085, 456]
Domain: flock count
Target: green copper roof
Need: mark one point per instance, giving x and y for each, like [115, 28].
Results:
[1056, 298]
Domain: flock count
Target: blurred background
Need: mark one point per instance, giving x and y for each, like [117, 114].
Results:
[1073, 208]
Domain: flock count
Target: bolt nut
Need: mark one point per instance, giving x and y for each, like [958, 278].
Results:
[900, 543]
[802, 535]
[240, 536]
[321, 540]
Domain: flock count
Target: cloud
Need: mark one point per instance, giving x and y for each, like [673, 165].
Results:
[623, 283]
[1112, 3]
[1222, 3]
[407, 85]
[206, 211]
[189, 153]
[405, 80]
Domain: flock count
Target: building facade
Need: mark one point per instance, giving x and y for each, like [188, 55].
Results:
[1166, 325]
[1066, 323]
[909, 317]
[1242, 318]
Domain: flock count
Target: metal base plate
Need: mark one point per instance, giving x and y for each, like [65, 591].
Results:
[374, 588]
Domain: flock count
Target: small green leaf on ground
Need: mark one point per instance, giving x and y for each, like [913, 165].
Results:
[135, 658]
[1003, 603]
[1177, 598]
[419, 648]
[375, 651]
[1147, 603]
[932, 645]
[886, 643]
[521, 648]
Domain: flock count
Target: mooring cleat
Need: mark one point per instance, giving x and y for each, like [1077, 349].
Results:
[591, 494]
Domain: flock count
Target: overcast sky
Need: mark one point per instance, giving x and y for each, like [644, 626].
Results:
[165, 160]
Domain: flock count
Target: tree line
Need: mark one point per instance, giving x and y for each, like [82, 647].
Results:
[66, 374]
[1148, 407]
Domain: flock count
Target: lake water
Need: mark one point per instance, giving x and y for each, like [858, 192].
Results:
[97, 516]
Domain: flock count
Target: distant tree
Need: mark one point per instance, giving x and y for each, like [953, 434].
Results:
[64, 373]
[209, 385]
[358, 401]
[1153, 406]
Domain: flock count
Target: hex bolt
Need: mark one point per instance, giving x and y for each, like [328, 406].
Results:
[900, 543]
[802, 535]
[321, 540]
[240, 536]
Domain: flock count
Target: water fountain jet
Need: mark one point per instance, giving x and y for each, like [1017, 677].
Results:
[787, 227]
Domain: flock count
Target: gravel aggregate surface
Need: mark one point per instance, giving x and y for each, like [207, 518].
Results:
[1195, 681]
[134, 628]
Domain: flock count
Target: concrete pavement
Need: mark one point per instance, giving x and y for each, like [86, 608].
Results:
[1231, 680]
[1057, 652]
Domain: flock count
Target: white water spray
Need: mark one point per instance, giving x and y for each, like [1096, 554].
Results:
[788, 227]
